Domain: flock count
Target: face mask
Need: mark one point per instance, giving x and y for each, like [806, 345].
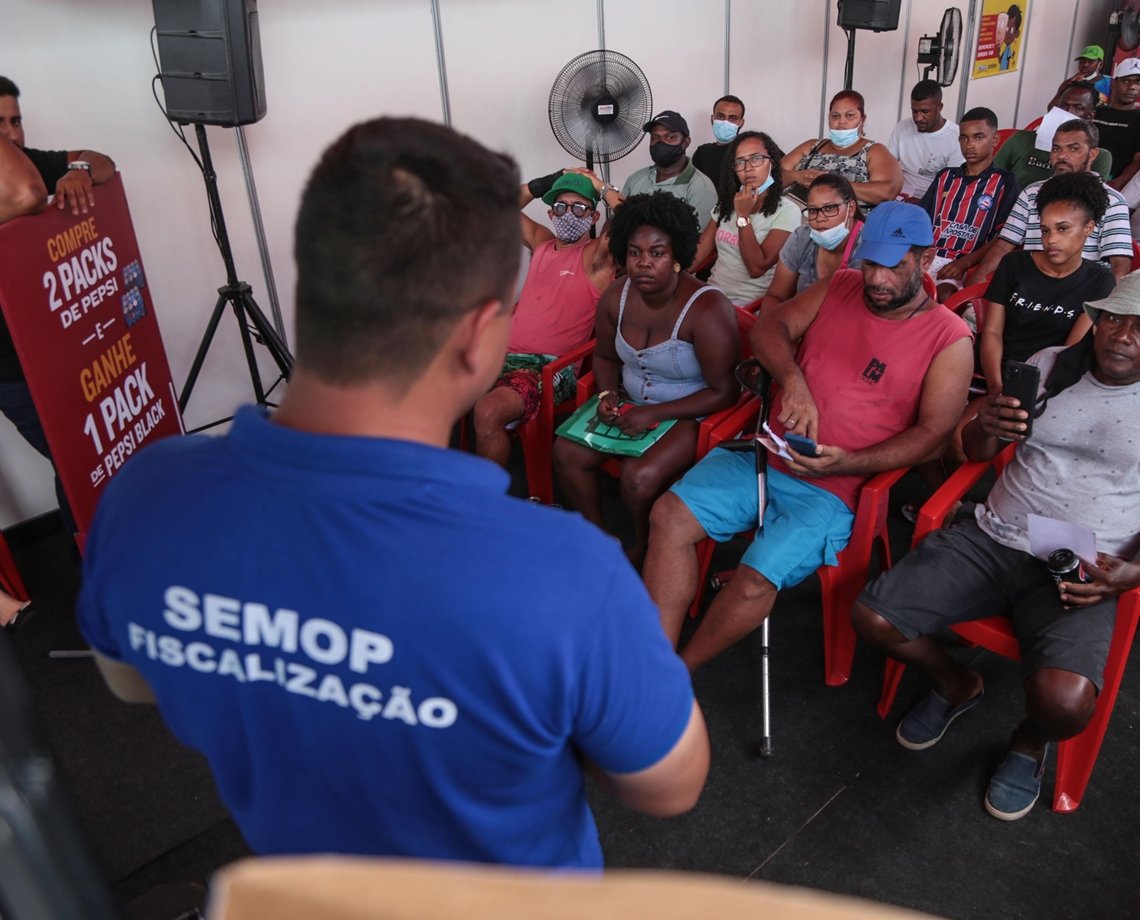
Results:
[570, 229]
[665, 154]
[724, 131]
[830, 238]
[844, 138]
[763, 186]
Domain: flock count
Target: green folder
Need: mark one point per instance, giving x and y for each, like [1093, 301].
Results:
[585, 427]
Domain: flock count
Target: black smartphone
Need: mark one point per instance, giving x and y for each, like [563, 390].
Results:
[1021, 381]
[802, 445]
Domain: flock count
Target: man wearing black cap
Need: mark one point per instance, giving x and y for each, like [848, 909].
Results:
[672, 171]
[870, 368]
[556, 308]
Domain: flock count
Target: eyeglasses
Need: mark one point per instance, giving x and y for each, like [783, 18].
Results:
[828, 210]
[577, 208]
[755, 160]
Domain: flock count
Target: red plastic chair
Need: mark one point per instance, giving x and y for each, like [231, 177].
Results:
[1003, 135]
[840, 584]
[10, 575]
[537, 435]
[1033, 124]
[1135, 256]
[971, 293]
[1075, 756]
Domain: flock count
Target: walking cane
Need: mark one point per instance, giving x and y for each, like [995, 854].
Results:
[752, 376]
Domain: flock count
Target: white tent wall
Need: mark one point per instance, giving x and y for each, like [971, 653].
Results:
[85, 71]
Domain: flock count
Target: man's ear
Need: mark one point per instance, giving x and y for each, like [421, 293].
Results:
[685, 143]
[478, 332]
[927, 259]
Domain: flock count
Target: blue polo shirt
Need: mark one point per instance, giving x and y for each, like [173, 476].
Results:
[376, 649]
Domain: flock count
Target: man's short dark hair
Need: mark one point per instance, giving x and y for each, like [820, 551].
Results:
[981, 113]
[926, 89]
[8, 88]
[675, 218]
[1080, 126]
[1085, 87]
[736, 100]
[1084, 190]
[404, 226]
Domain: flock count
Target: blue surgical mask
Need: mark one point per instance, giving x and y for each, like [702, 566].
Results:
[763, 186]
[831, 238]
[724, 131]
[843, 137]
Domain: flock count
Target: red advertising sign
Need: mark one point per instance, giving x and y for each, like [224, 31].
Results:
[77, 303]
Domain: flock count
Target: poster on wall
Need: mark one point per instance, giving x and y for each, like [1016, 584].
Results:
[999, 38]
[79, 310]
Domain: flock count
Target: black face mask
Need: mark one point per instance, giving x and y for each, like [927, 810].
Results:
[665, 154]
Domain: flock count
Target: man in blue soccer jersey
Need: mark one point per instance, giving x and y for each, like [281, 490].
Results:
[968, 204]
[356, 625]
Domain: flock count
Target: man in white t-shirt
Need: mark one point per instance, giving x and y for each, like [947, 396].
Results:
[926, 142]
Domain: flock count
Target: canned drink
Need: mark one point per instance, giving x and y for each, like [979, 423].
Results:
[1064, 565]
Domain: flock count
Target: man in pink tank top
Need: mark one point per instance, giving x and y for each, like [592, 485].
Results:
[866, 365]
[555, 311]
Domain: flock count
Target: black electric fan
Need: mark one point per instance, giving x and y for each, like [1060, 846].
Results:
[940, 52]
[1124, 29]
[599, 105]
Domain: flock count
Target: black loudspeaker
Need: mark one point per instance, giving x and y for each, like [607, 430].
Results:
[876, 15]
[210, 54]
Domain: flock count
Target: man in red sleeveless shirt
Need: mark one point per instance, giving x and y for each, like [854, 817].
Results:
[867, 366]
[555, 312]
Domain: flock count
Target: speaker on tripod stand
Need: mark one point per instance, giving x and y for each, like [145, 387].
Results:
[210, 68]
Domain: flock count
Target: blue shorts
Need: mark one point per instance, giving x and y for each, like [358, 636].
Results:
[804, 526]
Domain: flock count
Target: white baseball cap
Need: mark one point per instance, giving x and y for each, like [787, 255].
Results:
[1129, 67]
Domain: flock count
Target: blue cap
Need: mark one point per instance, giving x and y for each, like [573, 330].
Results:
[891, 229]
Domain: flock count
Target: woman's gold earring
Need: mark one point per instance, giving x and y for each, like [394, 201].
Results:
[677, 267]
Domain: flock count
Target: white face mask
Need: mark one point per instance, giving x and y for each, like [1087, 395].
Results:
[831, 238]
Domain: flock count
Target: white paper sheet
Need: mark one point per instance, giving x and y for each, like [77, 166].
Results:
[1048, 534]
[1053, 119]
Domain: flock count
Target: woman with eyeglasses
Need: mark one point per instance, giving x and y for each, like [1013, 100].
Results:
[751, 221]
[823, 244]
[875, 175]
[667, 348]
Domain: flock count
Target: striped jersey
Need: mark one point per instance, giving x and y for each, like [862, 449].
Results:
[1112, 236]
[968, 211]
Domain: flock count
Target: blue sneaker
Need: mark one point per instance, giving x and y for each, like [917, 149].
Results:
[1015, 786]
[924, 726]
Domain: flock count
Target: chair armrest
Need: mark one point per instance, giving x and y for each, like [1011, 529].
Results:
[727, 424]
[587, 387]
[933, 514]
[546, 398]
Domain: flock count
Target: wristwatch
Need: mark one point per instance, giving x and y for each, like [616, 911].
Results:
[80, 164]
[742, 222]
[606, 189]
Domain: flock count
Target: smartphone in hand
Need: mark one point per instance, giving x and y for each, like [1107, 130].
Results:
[802, 445]
[1021, 381]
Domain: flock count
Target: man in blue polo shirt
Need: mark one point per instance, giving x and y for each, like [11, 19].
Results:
[354, 624]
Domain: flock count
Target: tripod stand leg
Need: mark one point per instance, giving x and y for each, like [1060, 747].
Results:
[237, 301]
[200, 355]
[277, 349]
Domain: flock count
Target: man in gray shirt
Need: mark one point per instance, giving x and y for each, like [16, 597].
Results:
[672, 171]
[1076, 465]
